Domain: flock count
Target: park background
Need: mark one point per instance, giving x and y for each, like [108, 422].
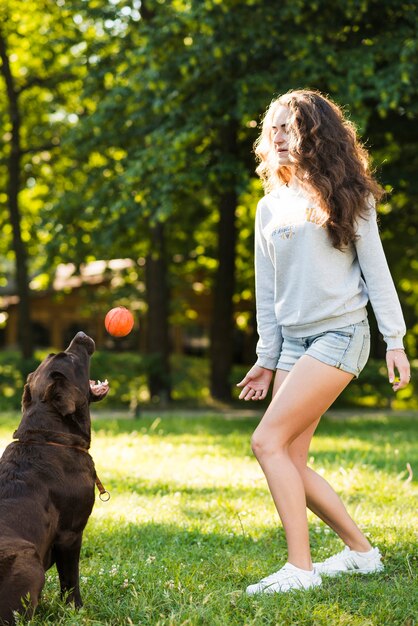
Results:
[127, 178]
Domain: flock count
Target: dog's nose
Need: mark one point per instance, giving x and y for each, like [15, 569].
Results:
[82, 339]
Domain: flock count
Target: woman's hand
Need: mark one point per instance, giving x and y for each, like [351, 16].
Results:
[255, 383]
[398, 359]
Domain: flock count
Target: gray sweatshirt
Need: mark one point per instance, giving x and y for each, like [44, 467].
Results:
[305, 286]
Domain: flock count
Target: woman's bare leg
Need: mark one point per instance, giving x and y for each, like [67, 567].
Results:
[321, 499]
[303, 396]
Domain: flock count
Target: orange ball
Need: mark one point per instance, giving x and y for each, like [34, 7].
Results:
[119, 321]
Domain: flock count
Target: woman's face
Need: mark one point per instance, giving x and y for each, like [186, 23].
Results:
[280, 136]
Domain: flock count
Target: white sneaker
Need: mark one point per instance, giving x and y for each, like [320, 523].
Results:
[351, 562]
[289, 577]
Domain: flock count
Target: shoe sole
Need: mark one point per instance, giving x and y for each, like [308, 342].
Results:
[354, 571]
[273, 591]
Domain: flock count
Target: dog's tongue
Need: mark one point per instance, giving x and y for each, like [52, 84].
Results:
[99, 389]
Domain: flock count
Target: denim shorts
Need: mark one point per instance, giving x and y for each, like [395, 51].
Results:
[346, 348]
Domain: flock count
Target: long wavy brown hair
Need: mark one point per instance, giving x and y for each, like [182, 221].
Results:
[327, 157]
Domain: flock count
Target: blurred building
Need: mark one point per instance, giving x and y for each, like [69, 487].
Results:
[79, 298]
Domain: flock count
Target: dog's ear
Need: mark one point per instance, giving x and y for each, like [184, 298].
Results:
[27, 396]
[60, 394]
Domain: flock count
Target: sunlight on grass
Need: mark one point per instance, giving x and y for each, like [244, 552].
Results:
[201, 480]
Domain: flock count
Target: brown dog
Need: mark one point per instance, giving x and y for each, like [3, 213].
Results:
[47, 480]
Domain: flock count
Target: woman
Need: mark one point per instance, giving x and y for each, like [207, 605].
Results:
[318, 260]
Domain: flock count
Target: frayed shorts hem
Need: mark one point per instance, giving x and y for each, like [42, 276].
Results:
[320, 357]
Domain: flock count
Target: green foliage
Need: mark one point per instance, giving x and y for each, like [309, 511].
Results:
[38, 38]
[372, 389]
[13, 373]
[190, 523]
[159, 92]
[127, 373]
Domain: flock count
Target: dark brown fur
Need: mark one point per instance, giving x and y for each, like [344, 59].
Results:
[47, 492]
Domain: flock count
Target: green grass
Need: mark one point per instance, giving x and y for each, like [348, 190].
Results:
[190, 523]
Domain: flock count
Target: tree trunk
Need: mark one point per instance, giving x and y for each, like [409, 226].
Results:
[157, 294]
[222, 329]
[13, 185]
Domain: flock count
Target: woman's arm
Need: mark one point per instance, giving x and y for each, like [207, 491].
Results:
[269, 332]
[383, 297]
[256, 382]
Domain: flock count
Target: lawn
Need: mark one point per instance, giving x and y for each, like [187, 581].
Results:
[190, 523]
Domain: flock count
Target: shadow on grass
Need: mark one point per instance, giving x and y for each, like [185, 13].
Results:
[217, 425]
[355, 422]
[384, 441]
[157, 573]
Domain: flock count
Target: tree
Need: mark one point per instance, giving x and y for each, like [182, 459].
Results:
[34, 56]
[13, 187]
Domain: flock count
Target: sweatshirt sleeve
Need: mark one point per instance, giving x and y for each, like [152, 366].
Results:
[269, 332]
[380, 287]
